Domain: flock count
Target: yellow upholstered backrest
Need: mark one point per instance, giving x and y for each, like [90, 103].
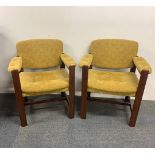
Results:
[113, 53]
[40, 53]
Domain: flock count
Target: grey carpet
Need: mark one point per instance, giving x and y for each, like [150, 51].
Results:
[105, 126]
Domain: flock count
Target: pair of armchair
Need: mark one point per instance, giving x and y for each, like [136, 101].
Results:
[104, 53]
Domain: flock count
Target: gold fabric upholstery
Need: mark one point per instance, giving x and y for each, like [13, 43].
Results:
[117, 59]
[142, 64]
[15, 64]
[40, 53]
[119, 83]
[68, 61]
[41, 72]
[86, 60]
[44, 82]
[113, 53]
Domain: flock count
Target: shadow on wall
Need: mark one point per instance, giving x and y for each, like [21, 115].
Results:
[7, 50]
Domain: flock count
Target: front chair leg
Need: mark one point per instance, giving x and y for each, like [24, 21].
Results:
[19, 98]
[138, 98]
[84, 92]
[71, 106]
[21, 109]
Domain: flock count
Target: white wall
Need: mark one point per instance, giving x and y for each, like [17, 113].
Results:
[77, 27]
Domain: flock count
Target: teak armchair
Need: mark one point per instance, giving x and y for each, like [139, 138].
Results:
[42, 54]
[114, 54]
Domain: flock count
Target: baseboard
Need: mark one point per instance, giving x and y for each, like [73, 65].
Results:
[78, 94]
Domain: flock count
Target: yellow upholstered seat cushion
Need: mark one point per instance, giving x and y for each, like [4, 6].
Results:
[42, 82]
[119, 83]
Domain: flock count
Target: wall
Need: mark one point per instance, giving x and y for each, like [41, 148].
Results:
[77, 27]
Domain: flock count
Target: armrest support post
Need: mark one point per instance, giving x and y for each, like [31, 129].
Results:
[19, 97]
[84, 92]
[138, 97]
[71, 106]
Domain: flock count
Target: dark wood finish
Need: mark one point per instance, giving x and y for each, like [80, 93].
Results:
[56, 99]
[71, 106]
[63, 94]
[111, 101]
[88, 94]
[19, 97]
[62, 65]
[22, 70]
[138, 98]
[133, 69]
[127, 99]
[23, 101]
[84, 92]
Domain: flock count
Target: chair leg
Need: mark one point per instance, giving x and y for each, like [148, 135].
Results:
[83, 105]
[138, 98]
[19, 98]
[25, 99]
[63, 94]
[127, 98]
[134, 113]
[84, 92]
[21, 109]
[71, 106]
[88, 94]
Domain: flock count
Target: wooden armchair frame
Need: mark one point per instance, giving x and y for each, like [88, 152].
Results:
[24, 101]
[137, 102]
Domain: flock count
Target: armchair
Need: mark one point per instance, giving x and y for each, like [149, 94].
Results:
[42, 54]
[114, 54]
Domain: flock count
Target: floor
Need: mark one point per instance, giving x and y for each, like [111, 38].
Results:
[105, 126]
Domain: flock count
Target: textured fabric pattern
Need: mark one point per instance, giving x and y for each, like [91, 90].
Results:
[86, 60]
[42, 82]
[68, 61]
[15, 64]
[40, 53]
[142, 64]
[113, 53]
[121, 83]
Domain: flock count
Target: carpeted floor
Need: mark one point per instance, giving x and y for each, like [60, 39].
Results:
[48, 126]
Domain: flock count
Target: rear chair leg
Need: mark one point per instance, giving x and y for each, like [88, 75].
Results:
[21, 109]
[88, 94]
[127, 99]
[63, 94]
